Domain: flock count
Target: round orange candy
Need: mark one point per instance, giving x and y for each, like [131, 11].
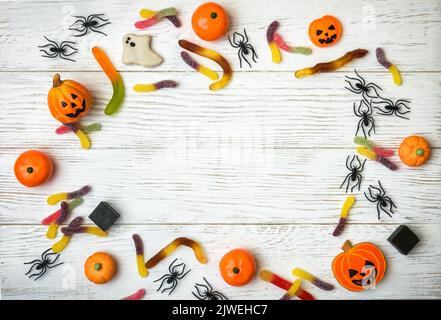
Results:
[414, 151]
[237, 267]
[33, 168]
[210, 21]
[100, 268]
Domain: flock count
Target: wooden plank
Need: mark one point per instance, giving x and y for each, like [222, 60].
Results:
[224, 185]
[277, 248]
[409, 32]
[259, 110]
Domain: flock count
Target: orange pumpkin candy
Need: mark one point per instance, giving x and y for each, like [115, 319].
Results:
[237, 267]
[100, 268]
[325, 31]
[414, 151]
[359, 266]
[210, 21]
[68, 100]
[33, 168]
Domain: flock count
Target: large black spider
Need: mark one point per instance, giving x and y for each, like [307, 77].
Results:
[388, 107]
[384, 203]
[244, 47]
[177, 272]
[359, 86]
[53, 49]
[206, 292]
[42, 265]
[92, 23]
[366, 123]
[355, 166]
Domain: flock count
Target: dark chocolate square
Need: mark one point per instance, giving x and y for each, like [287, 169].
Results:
[403, 239]
[104, 216]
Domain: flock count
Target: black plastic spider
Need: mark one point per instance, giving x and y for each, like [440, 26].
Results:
[244, 47]
[53, 49]
[42, 265]
[384, 203]
[366, 123]
[388, 107]
[355, 166]
[206, 292]
[92, 23]
[177, 272]
[359, 86]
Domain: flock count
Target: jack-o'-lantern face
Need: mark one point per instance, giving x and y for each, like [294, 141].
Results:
[68, 100]
[325, 32]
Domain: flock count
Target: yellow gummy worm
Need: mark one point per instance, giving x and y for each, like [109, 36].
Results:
[275, 52]
[212, 55]
[140, 263]
[349, 202]
[96, 231]
[367, 153]
[144, 87]
[303, 274]
[55, 198]
[60, 245]
[210, 74]
[146, 13]
[396, 75]
[52, 231]
[84, 140]
[167, 250]
[292, 290]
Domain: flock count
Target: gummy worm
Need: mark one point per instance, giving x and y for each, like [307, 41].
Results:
[198, 251]
[293, 290]
[53, 227]
[140, 262]
[144, 24]
[285, 47]
[57, 197]
[278, 281]
[86, 129]
[54, 216]
[138, 295]
[198, 67]
[117, 82]
[84, 140]
[332, 65]
[396, 75]
[155, 86]
[313, 279]
[212, 55]
[64, 241]
[370, 145]
[373, 156]
[146, 14]
[349, 202]
[85, 229]
[275, 52]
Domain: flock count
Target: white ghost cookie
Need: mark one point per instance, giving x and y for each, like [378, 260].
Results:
[137, 50]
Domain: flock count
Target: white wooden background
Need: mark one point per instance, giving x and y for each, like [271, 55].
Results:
[256, 165]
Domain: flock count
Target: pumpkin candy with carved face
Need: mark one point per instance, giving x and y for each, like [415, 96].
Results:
[325, 31]
[359, 267]
[68, 100]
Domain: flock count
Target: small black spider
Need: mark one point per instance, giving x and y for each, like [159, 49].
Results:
[92, 23]
[206, 292]
[384, 203]
[359, 86]
[177, 272]
[244, 47]
[388, 107]
[355, 166]
[53, 49]
[366, 123]
[42, 265]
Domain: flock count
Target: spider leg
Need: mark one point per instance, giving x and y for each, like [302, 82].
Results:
[232, 44]
[347, 186]
[361, 125]
[245, 35]
[358, 160]
[98, 31]
[382, 192]
[86, 30]
[391, 202]
[369, 197]
[384, 210]
[348, 164]
[208, 284]
[219, 295]
[30, 269]
[162, 283]
[362, 165]
[172, 288]
[371, 121]
[67, 58]
[240, 57]
[165, 275]
[98, 16]
[245, 58]
[51, 41]
[399, 115]
[251, 49]
[352, 88]
[51, 266]
[38, 275]
[358, 184]
[357, 110]
[32, 262]
[378, 209]
[197, 297]
[41, 274]
[239, 35]
[183, 275]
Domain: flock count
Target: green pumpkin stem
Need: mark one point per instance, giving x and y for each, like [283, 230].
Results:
[57, 81]
[347, 246]
[97, 266]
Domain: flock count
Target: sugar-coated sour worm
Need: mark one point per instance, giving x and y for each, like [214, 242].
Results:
[362, 141]
[117, 82]
[167, 250]
[198, 67]
[278, 281]
[54, 216]
[275, 52]
[285, 47]
[373, 156]
[138, 295]
[298, 272]
[84, 229]
[53, 227]
[370, 145]
[144, 24]
[332, 65]
[155, 86]
[347, 205]
[63, 129]
[140, 262]
[212, 55]
[64, 241]
[57, 197]
[387, 163]
[385, 153]
[146, 14]
[381, 58]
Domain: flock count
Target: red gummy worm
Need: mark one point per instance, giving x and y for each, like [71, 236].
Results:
[139, 247]
[63, 214]
[304, 295]
[280, 282]
[144, 24]
[63, 129]
[79, 193]
[138, 295]
[54, 216]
